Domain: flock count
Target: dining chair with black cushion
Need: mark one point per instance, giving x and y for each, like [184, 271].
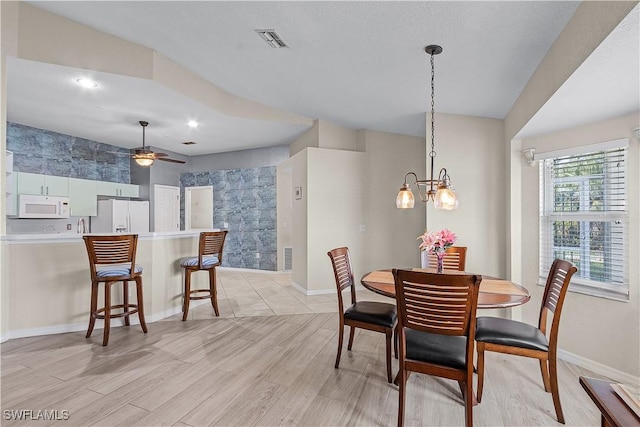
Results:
[370, 315]
[210, 246]
[521, 339]
[436, 325]
[112, 259]
[455, 258]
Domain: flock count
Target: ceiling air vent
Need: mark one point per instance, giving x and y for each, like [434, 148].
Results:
[272, 38]
[189, 143]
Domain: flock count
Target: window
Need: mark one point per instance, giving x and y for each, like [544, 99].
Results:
[583, 216]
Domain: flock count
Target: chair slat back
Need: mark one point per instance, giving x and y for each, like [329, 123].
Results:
[436, 303]
[455, 258]
[211, 243]
[105, 250]
[555, 291]
[341, 263]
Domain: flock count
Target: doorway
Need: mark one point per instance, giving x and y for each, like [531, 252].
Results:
[198, 208]
[166, 208]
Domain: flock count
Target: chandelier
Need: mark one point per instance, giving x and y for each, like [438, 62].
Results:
[439, 190]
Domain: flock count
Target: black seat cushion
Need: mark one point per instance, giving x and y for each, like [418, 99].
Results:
[377, 313]
[510, 332]
[446, 350]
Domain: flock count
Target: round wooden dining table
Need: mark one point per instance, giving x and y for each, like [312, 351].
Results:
[494, 293]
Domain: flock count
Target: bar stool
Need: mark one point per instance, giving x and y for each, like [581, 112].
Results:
[112, 259]
[209, 257]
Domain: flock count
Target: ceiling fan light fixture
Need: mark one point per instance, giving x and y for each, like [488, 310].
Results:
[144, 161]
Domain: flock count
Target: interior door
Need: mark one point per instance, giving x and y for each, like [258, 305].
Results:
[198, 208]
[166, 208]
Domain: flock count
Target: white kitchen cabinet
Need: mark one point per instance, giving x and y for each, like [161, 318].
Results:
[83, 197]
[45, 185]
[117, 189]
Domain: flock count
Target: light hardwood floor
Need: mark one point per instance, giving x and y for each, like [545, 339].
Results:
[259, 364]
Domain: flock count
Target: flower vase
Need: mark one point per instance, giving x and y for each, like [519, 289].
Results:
[440, 256]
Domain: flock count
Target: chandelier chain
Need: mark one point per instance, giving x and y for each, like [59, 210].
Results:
[433, 150]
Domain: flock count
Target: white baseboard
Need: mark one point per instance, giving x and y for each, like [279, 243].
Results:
[75, 327]
[310, 293]
[598, 368]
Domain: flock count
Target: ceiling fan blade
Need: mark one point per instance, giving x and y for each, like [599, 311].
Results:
[160, 154]
[166, 159]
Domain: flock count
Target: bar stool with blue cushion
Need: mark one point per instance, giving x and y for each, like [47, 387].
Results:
[112, 259]
[209, 257]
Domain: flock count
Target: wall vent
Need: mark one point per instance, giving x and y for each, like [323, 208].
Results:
[288, 258]
[272, 38]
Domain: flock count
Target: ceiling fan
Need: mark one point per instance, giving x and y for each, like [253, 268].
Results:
[144, 156]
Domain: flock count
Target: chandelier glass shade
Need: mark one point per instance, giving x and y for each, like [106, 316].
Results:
[438, 190]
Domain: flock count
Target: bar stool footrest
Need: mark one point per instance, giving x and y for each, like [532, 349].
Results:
[133, 309]
[193, 291]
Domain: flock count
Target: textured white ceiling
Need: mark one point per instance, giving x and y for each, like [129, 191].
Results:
[358, 64]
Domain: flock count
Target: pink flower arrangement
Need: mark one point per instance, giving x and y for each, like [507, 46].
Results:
[437, 241]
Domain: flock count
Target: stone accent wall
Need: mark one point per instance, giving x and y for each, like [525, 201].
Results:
[51, 153]
[246, 200]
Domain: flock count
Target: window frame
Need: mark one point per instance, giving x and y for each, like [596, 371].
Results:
[618, 290]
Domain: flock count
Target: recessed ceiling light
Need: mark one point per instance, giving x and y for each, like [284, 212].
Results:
[87, 83]
[192, 124]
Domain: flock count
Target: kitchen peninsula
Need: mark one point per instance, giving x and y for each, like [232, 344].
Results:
[49, 280]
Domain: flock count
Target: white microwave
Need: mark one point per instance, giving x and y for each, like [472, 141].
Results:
[32, 206]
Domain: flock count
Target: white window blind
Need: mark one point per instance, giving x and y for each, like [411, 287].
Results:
[583, 217]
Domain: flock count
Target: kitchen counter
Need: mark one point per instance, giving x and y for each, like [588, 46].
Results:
[48, 284]
[75, 237]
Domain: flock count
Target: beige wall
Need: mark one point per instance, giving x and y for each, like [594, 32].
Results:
[601, 330]
[336, 137]
[335, 211]
[308, 139]
[300, 225]
[391, 233]
[471, 149]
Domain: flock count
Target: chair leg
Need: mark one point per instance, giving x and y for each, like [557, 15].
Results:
[125, 301]
[545, 375]
[213, 290]
[340, 338]
[352, 332]
[555, 393]
[395, 341]
[140, 302]
[389, 337]
[187, 293]
[467, 395]
[480, 370]
[107, 313]
[401, 394]
[94, 308]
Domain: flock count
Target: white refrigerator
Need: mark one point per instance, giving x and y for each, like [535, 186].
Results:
[121, 216]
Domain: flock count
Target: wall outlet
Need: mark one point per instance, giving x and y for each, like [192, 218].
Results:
[225, 225]
[258, 255]
[363, 227]
[68, 226]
